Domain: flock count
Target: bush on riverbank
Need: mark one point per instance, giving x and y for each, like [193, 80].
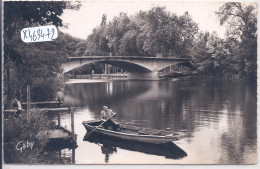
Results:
[26, 127]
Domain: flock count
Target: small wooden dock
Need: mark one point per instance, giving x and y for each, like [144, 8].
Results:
[42, 109]
[61, 133]
[60, 138]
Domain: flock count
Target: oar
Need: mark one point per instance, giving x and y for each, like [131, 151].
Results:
[100, 125]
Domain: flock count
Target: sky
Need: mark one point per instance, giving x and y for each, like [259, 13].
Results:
[82, 22]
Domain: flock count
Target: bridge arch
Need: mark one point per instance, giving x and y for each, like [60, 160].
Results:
[128, 66]
[131, 64]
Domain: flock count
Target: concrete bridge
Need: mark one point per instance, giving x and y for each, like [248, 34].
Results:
[138, 67]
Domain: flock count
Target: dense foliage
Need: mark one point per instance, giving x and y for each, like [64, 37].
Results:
[39, 66]
[34, 64]
[17, 14]
[160, 31]
[144, 34]
[32, 126]
[241, 19]
[236, 55]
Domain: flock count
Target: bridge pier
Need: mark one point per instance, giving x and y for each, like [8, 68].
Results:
[145, 76]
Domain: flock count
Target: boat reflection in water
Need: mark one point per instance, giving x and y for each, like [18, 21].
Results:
[109, 146]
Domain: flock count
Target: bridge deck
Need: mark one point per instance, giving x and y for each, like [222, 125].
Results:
[129, 57]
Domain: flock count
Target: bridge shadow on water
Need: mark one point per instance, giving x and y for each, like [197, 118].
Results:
[109, 146]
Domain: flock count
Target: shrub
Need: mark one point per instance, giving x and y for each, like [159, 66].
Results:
[32, 126]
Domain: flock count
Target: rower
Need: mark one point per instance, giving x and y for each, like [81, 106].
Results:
[104, 115]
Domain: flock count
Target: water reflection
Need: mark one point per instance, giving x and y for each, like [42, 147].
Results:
[109, 147]
[108, 150]
[62, 156]
[212, 112]
[59, 152]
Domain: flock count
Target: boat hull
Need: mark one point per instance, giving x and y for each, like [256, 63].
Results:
[154, 139]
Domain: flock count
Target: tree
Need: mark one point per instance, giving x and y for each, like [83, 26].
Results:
[40, 66]
[200, 56]
[214, 57]
[145, 34]
[189, 30]
[26, 62]
[104, 20]
[242, 23]
[218, 54]
[81, 48]
[115, 30]
[128, 43]
[30, 13]
[97, 43]
[155, 29]
[21, 14]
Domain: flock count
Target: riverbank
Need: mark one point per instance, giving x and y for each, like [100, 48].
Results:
[95, 78]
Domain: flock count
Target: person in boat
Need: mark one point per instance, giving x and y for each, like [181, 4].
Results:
[104, 115]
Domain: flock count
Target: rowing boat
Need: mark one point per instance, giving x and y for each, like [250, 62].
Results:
[132, 133]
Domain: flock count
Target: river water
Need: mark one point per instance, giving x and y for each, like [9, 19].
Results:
[218, 118]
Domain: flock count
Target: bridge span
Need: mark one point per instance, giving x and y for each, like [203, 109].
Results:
[138, 67]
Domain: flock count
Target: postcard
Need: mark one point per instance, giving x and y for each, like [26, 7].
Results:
[129, 82]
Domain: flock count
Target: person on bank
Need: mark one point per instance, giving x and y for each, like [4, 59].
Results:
[104, 115]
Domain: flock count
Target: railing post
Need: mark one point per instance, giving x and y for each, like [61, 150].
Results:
[72, 122]
[28, 98]
[59, 112]
[73, 155]
[59, 156]
[105, 68]
[58, 119]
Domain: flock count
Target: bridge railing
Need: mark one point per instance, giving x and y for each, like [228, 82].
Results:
[156, 55]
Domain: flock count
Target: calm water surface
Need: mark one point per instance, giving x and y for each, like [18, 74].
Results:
[218, 117]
